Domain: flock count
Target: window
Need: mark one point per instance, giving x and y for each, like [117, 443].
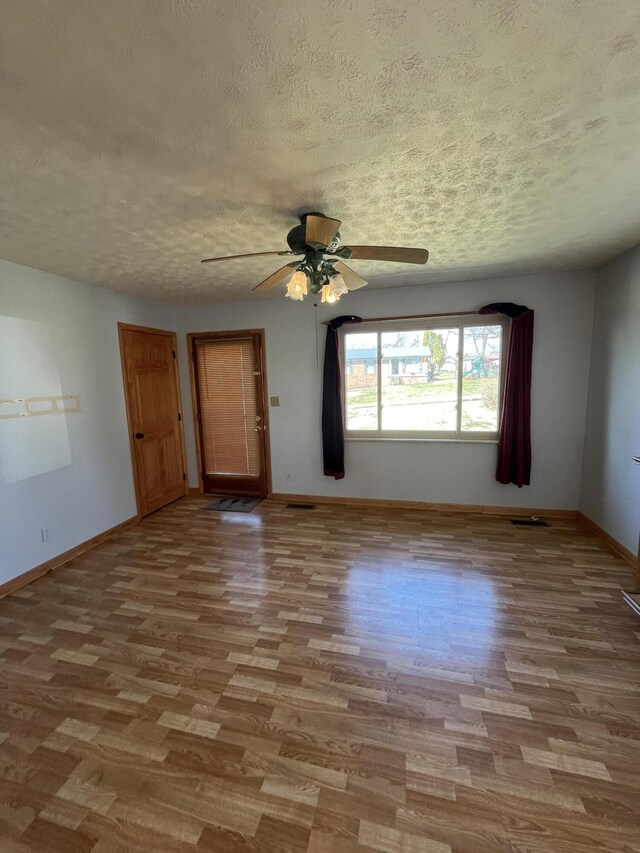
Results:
[435, 378]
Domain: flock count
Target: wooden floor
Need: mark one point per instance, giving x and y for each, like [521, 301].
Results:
[328, 681]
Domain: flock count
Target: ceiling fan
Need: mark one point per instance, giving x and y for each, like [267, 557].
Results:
[322, 269]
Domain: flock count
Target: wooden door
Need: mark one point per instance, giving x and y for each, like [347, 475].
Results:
[229, 388]
[152, 393]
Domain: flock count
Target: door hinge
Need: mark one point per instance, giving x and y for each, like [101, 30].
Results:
[179, 416]
[174, 353]
[184, 476]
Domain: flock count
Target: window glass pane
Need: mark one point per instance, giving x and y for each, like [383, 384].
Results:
[361, 369]
[481, 378]
[228, 406]
[419, 370]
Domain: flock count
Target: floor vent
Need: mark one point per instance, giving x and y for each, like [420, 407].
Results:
[301, 506]
[529, 522]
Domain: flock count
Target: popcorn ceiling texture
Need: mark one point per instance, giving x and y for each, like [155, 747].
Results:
[139, 137]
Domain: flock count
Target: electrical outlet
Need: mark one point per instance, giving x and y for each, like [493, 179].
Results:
[44, 534]
[275, 401]
[288, 476]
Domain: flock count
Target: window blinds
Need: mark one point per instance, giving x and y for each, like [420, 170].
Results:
[227, 395]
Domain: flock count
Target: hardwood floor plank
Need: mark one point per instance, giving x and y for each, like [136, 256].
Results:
[323, 682]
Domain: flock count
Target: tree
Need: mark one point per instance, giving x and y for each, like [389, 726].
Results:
[480, 336]
[400, 340]
[437, 353]
[484, 340]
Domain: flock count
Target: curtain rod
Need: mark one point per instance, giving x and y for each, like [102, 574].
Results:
[409, 317]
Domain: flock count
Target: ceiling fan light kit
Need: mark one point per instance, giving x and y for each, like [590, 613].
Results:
[316, 237]
[335, 288]
[297, 286]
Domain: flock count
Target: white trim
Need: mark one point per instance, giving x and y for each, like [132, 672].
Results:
[442, 321]
[442, 440]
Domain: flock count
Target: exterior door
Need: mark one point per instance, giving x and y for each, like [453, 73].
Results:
[152, 393]
[229, 389]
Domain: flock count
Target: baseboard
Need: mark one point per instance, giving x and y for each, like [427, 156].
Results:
[569, 514]
[55, 562]
[608, 540]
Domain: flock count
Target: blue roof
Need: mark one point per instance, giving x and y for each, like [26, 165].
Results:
[387, 352]
[361, 354]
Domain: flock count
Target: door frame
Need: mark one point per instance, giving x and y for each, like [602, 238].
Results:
[192, 337]
[128, 327]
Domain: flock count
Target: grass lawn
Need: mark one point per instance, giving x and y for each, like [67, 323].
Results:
[443, 386]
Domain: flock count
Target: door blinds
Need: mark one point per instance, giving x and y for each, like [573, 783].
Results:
[227, 394]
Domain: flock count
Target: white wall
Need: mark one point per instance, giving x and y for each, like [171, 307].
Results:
[68, 473]
[78, 482]
[611, 482]
[423, 471]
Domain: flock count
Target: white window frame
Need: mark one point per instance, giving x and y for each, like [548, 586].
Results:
[443, 321]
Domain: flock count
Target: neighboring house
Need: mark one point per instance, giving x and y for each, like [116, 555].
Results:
[409, 361]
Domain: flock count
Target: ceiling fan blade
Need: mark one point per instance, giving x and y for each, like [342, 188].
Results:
[320, 230]
[250, 255]
[389, 253]
[276, 276]
[351, 277]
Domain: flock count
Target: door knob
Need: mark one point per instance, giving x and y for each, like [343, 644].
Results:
[139, 435]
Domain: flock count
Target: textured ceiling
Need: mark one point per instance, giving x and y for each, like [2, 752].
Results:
[138, 137]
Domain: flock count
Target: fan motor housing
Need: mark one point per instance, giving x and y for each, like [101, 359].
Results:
[295, 240]
[296, 237]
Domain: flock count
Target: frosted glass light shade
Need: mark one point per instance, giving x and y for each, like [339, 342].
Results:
[327, 295]
[297, 287]
[337, 285]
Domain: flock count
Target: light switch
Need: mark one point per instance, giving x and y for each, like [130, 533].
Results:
[275, 401]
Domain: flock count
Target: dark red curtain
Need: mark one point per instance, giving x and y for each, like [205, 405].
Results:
[514, 436]
[332, 422]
